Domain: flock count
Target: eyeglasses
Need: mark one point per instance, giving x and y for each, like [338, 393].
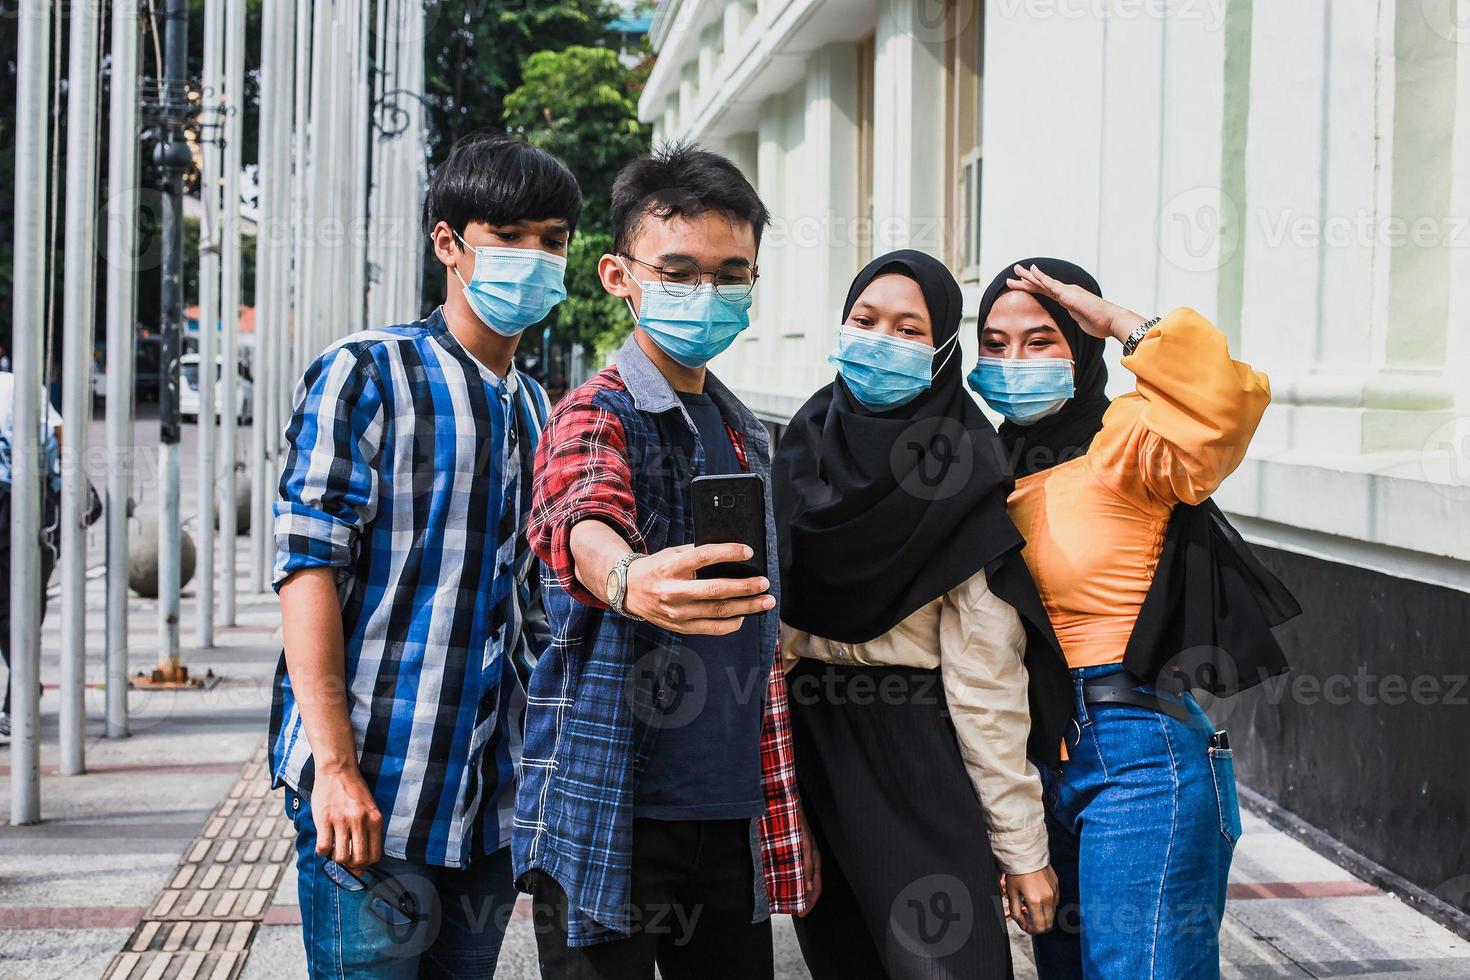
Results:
[391, 902]
[681, 277]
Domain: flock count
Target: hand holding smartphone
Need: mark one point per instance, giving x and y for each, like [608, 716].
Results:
[731, 510]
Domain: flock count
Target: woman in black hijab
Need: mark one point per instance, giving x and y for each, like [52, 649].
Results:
[1151, 594]
[914, 629]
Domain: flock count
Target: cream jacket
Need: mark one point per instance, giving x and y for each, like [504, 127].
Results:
[978, 641]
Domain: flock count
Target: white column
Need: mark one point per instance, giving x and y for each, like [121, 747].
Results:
[265, 249]
[78, 328]
[822, 196]
[301, 203]
[209, 316]
[27, 310]
[230, 300]
[122, 223]
[908, 120]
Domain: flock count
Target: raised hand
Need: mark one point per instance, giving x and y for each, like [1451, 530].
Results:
[1093, 314]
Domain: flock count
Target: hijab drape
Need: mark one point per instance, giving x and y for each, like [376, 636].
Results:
[880, 513]
[1067, 434]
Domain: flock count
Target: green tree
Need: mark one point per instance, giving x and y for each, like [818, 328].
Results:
[474, 50]
[581, 104]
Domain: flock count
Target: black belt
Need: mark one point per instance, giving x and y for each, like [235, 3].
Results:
[1119, 689]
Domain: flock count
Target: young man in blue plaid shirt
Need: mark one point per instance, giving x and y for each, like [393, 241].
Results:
[406, 589]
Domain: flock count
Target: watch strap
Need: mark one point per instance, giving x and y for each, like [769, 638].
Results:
[1139, 332]
[621, 570]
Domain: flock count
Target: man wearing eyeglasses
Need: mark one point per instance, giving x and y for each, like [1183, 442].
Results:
[657, 819]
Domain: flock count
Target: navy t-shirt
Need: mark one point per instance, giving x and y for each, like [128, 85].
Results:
[705, 762]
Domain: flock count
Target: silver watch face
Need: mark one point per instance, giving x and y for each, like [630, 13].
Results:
[614, 588]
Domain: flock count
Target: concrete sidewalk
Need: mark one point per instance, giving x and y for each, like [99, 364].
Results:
[170, 857]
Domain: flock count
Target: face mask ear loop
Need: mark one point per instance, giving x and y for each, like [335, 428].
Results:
[955, 340]
[627, 300]
[468, 248]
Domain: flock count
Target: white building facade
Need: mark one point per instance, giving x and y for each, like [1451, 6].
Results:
[1297, 170]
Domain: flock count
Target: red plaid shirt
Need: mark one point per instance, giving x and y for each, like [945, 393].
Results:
[605, 455]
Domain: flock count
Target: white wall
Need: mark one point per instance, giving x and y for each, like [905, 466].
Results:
[1249, 158]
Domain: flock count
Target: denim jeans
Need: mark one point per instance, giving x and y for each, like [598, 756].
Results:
[464, 913]
[1143, 819]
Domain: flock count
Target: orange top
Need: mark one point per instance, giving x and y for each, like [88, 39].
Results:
[1094, 526]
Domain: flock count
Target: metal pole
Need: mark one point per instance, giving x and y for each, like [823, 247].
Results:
[122, 222]
[173, 159]
[78, 328]
[301, 207]
[271, 78]
[281, 295]
[209, 281]
[27, 316]
[230, 298]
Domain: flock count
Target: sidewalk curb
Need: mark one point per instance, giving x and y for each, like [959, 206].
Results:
[1412, 895]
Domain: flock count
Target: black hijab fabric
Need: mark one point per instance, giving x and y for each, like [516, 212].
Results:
[1067, 434]
[1206, 621]
[880, 513]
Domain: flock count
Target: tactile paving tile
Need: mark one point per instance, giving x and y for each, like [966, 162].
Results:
[201, 925]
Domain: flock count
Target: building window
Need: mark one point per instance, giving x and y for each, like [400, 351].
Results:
[963, 158]
[867, 54]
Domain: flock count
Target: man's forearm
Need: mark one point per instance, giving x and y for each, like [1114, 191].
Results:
[311, 619]
[596, 548]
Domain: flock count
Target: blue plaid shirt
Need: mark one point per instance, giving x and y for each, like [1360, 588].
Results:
[409, 471]
[622, 449]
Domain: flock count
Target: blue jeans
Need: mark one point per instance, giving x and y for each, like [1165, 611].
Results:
[1143, 819]
[464, 914]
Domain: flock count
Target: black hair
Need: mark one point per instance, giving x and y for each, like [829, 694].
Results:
[682, 180]
[500, 180]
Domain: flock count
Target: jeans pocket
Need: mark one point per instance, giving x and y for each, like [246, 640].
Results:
[1222, 768]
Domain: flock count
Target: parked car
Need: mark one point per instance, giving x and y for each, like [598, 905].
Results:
[189, 391]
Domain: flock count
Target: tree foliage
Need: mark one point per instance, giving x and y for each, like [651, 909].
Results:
[474, 50]
[581, 104]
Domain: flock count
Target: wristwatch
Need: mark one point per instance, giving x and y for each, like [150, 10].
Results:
[617, 584]
[1139, 332]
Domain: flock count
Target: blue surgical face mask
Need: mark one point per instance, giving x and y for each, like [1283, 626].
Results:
[513, 288]
[1024, 389]
[697, 328]
[884, 372]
